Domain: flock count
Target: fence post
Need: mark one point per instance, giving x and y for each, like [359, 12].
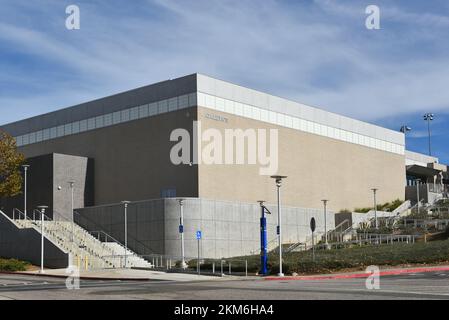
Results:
[221, 262]
[230, 268]
[246, 268]
[213, 267]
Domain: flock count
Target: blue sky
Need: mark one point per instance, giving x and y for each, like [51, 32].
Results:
[316, 52]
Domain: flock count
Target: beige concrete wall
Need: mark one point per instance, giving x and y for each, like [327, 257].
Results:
[317, 167]
[132, 159]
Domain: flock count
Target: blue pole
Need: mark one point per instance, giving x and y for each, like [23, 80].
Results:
[263, 244]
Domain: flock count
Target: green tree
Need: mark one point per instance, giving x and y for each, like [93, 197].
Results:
[10, 162]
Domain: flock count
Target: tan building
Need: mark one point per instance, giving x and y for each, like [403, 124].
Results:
[215, 144]
[127, 136]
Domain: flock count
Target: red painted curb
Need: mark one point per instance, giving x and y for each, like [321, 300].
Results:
[362, 275]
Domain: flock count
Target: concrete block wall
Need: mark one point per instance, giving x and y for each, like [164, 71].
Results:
[25, 245]
[228, 228]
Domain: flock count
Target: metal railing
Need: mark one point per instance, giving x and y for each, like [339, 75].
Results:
[72, 238]
[371, 239]
[206, 266]
[17, 214]
[136, 245]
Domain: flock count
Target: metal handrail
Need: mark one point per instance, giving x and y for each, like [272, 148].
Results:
[98, 227]
[14, 211]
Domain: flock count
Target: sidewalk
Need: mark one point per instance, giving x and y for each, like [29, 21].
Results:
[121, 274]
[361, 274]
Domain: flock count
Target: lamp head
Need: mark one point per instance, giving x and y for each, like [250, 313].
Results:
[125, 202]
[278, 179]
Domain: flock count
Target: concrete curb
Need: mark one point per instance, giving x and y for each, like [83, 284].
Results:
[81, 278]
[362, 275]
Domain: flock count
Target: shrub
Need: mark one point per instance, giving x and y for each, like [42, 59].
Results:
[13, 265]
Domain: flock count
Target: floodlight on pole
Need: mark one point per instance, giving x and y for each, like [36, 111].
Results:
[278, 179]
[429, 117]
[405, 129]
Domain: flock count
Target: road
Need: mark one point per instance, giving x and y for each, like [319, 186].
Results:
[433, 285]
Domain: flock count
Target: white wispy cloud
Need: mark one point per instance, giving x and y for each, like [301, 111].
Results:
[304, 52]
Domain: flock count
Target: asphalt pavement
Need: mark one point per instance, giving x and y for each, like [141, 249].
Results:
[429, 285]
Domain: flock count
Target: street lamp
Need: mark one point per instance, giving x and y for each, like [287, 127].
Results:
[325, 201]
[126, 203]
[429, 117]
[181, 231]
[417, 193]
[405, 129]
[42, 210]
[278, 180]
[375, 206]
[25, 169]
[72, 183]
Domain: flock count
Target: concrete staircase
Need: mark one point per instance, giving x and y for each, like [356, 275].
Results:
[86, 251]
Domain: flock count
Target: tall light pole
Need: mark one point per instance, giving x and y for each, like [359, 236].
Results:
[25, 169]
[417, 193]
[278, 180]
[126, 203]
[375, 206]
[42, 209]
[181, 231]
[429, 117]
[405, 129]
[71, 184]
[325, 201]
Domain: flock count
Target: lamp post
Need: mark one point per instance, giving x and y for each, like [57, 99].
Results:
[325, 201]
[25, 169]
[72, 183]
[42, 210]
[429, 117]
[405, 129]
[375, 206]
[181, 231]
[278, 180]
[126, 203]
[417, 194]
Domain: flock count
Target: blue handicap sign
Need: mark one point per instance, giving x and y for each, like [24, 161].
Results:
[198, 235]
[181, 228]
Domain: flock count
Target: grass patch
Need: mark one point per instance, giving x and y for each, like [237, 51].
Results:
[389, 206]
[328, 261]
[13, 265]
